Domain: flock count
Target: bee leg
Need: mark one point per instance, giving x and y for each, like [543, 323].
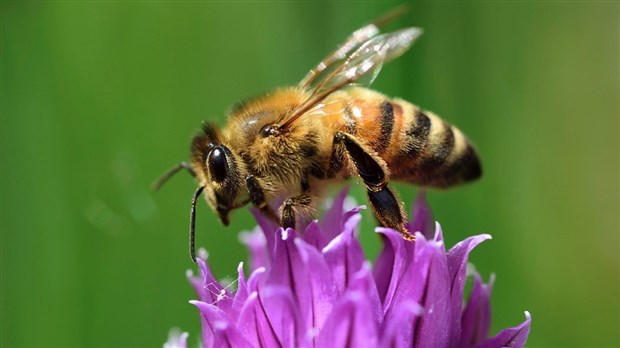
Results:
[288, 216]
[257, 196]
[372, 169]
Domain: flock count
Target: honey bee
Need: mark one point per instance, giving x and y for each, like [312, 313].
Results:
[291, 142]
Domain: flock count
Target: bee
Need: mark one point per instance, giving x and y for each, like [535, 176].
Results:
[291, 142]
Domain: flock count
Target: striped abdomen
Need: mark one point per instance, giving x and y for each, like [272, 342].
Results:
[418, 146]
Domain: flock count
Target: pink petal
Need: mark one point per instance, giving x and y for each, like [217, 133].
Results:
[389, 265]
[195, 282]
[217, 328]
[323, 289]
[422, 217]
[256, 243]
[254, 325]
[476, 319]
[438, 233]
[312, 235]
[289, 271]
[353, 322]
[425, 281]
[269, 229]
[241, 295]
[344, 254]
[270, 318]
[257, 277]
[457, 265]
[393, 333]
[350, 213]
[512, 337]
[176, 339]
[430, 328]
[364, 282]
[283, 313]
[211, 291]
[331, 224]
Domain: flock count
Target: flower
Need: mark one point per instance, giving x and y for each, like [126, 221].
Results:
[317, 290]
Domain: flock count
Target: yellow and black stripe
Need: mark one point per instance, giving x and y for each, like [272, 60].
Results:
[432, 152]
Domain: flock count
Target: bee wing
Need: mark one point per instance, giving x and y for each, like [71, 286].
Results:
[367, 60]
[354, 41]
[358, 37]
[360, 67]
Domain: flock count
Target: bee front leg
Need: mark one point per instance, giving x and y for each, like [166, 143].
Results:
[257, 196]
[372, 170]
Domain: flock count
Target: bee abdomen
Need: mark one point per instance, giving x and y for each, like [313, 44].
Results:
[386, 126]
[432, 152]
[373, 119]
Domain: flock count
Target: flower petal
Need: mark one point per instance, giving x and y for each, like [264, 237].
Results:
[323, 292]
[270, 318]
[317, 290]
[256, 243]
[389, 265]
[241, 295]
[215, 293]
[425, 281]
[457, 265]
[176, 339]
[312, 235]
[198, 282]
[194, 281]
[286, 262]
[269, 229]
[254, 325]
[331, 224]
[283, 313]
[364, 282]
[209, 289]
[512, 337]
[289, 271]
[438, 233]
[429, 330]
[350, 213]
[344, 254]
[422, 217]
[257, 277]
[476, 319]
[393, 333]
[217, 328]
[354, 321]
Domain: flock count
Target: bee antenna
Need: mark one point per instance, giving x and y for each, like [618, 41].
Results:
[170, 173]
[192, 224]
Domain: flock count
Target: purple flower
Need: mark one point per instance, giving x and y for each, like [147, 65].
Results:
[316, 289]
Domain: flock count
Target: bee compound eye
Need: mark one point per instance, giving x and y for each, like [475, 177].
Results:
[217, 164]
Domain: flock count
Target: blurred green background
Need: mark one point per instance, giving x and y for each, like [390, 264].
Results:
[99, 98]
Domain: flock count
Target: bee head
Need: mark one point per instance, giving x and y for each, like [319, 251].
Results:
[219, 170]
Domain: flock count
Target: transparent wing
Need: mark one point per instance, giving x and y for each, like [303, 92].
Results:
[358, 37]
[361, 67]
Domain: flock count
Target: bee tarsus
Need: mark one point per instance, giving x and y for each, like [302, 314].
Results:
[288, 214]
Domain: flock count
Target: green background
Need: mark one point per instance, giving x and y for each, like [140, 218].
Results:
[98, 98]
